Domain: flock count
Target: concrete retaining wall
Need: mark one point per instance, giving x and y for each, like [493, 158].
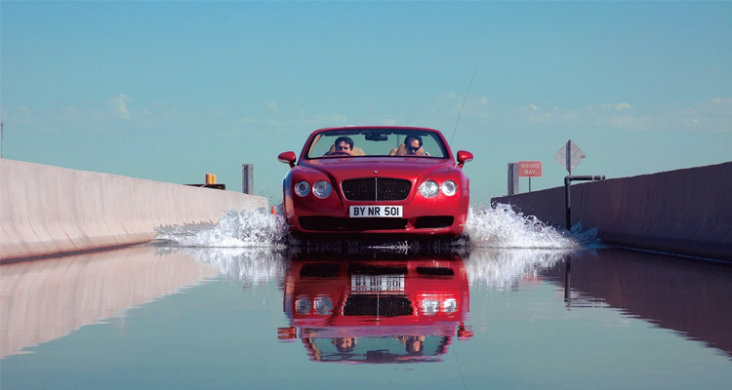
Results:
[688, 211]
[47, 210]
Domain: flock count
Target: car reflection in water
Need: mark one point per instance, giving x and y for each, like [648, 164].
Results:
[377, 311]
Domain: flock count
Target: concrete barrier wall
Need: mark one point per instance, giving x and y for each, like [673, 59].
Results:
[687, 211]
[46, 210]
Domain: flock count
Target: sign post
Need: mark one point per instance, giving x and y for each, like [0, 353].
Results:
[529, 169]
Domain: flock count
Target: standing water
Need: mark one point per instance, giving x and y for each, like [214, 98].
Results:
[241, 305]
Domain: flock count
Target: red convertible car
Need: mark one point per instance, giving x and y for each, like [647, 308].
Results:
[376, 180]
[377, 311]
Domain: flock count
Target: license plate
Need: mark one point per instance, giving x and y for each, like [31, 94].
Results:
[377, 283]
[375, 211]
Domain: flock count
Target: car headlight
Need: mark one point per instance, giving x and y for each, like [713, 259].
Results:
[450, 305]
[323, 305]
[430, 306]
[322, 189]
[449, 188]
[303, 306]
[429, 189]
[302, 188]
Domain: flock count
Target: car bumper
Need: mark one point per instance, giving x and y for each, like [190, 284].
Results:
[437, 216]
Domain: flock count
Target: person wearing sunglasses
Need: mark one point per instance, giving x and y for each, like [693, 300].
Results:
[412, 146]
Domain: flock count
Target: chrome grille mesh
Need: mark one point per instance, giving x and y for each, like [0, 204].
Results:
[376, 189]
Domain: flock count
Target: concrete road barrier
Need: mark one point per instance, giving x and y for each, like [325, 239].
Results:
[687, 211]
[46, 210]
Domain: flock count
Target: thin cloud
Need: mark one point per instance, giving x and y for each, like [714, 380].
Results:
[273, 106]
[711, 116]
[120, 104]
[621, 106]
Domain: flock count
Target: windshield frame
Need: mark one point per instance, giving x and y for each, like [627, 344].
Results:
[315, 138]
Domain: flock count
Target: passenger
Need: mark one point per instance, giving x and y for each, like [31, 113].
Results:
[414, 345]
[412, 146]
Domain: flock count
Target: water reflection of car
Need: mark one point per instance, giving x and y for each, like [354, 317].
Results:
[399, 180]
[376, 311]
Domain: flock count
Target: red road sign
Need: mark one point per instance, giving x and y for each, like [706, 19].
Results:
[529, 168]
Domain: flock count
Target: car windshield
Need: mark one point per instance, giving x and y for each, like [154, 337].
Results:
[377, 142]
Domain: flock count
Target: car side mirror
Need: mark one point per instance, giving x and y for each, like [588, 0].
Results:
[287, 157]
[463, 156]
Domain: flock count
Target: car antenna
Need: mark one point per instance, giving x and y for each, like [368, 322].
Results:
[461, 107]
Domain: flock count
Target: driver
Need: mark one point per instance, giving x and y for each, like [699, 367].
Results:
[343, 145]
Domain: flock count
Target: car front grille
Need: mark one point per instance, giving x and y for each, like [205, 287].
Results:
[374, 305]
[376, 189]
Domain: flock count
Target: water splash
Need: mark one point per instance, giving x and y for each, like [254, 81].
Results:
[503, 270]
[486, 227]
[243, 229]
[501, 227]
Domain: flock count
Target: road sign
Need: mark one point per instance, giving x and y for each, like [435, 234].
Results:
[570, 156]
[529, 168]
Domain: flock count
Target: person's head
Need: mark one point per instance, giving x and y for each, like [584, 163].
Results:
[344, 344]
[344, 144]
[412, 143]
[414, 345]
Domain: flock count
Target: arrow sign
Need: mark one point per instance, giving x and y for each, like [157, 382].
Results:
[570, 156]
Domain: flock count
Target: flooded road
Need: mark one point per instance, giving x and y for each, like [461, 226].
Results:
[557, 313]
[152, 317]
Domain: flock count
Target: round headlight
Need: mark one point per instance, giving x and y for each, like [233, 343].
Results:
[450, 305]
[303, 306]
[430, 306]
[322, 189]
[449, 188]
[429, 189]
[302, 188]
[323, 305]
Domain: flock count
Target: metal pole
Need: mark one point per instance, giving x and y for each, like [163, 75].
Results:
[567, 283]
[247, 179]
[567, 202]
[513, 180]
[529, 183]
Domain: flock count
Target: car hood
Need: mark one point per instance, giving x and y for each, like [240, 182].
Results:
[399, 167]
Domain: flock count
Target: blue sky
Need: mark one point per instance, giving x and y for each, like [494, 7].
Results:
[170, 91]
